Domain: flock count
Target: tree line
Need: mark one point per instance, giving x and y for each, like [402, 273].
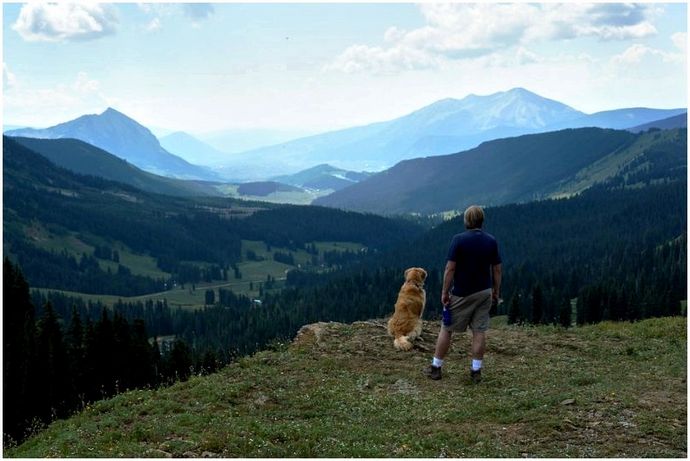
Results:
[54, 367]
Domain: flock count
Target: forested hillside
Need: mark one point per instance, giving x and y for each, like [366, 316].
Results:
[512, 170]
[83, 158]
[44, 202]
[628, 245]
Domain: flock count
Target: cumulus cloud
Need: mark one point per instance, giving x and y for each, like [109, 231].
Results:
[456, 31]
[9, 80]
[55, 22]
[636, 54]
[359, 58]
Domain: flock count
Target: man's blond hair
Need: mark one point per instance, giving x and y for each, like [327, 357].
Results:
[474, 217]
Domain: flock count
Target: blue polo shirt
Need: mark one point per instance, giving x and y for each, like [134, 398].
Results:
[474, 252]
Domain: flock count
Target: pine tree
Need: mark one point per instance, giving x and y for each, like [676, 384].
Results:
[74, 342]
[210, 297]
[514, 312]
[155, 354]
[122, 354]
[104, 356]
[209, 363]
[565, 314]
[180, 361]
[19, 371]
[141, 365]
[537, 305]
[53, 367]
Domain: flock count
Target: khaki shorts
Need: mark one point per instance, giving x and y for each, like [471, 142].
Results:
[472, 310]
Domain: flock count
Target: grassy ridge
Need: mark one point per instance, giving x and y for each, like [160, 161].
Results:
[607, 390]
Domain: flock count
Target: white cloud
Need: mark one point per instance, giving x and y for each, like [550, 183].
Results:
[154, 26]
[636, 54]
[680, 40]
[456, 31]
[525, 56]
[379, 60]
[9, 80]
[55, 22]
[605, 21]
[54, 104]
[84, 85]
[161, 12]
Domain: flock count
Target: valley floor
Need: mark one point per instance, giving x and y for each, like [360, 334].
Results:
[606, 390]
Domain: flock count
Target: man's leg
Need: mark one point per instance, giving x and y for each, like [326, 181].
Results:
[442, 346]
[478, 349]
[478, 345]
[442, 343]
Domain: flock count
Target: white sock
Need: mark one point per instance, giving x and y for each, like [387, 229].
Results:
[437, 362]
[476, 365]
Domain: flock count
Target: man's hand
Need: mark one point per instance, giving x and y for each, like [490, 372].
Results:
[448, 274]
[445, 298]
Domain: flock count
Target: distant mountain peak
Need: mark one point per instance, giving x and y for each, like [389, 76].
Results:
[118, 134]
[521, 91]
[112, 114]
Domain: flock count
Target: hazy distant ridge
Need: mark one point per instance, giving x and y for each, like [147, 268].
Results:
[446, 126]
[120, 135]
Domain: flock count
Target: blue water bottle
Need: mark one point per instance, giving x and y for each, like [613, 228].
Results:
[447, 319]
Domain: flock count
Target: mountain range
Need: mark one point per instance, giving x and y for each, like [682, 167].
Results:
[444, 127]
[83, 158]
[520, 169]
[124, 137]
[318, 162]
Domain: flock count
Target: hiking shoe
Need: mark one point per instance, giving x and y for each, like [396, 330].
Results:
[476, 376]
[433, 372]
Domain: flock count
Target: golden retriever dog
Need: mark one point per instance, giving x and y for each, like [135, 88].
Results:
[406, 323]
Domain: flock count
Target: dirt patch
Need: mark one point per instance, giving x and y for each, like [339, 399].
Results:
[311, 334]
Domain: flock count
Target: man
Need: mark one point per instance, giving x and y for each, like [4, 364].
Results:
[473, 268]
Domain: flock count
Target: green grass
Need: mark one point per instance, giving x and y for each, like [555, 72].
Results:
[76, 245]
[607, 390]
[193, 296]
[141, 264]
[304, 197]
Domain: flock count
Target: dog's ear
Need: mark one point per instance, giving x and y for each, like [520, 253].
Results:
[407, 271]
[424, 274]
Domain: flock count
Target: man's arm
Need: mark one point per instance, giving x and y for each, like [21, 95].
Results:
[496, 271]
[447, 282]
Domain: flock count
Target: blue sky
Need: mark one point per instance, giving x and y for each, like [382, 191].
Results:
[316, 67]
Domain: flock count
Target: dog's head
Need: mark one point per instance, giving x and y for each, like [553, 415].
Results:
[415, 275]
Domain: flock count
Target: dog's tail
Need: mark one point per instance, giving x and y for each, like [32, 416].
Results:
[402, 343]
